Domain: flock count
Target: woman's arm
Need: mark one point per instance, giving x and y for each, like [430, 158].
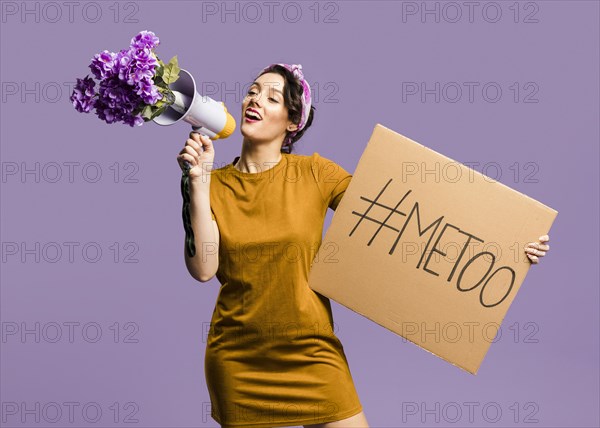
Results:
[204, 264]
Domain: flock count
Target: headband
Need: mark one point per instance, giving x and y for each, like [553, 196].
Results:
[296, 70]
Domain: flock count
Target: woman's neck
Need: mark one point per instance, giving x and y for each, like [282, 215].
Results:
[252, 161]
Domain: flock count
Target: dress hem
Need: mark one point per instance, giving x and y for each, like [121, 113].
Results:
[289, 423]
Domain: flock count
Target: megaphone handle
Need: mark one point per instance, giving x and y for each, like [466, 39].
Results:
[185, 193]
[190, 246]
[187, 167]
[187, 224]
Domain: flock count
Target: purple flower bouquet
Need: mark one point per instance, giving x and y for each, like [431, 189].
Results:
[133, 84]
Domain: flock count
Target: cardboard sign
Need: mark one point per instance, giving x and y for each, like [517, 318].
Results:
[428, 248]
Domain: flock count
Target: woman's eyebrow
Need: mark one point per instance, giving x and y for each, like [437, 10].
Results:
[259, 85]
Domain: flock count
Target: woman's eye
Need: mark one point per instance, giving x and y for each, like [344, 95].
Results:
[254, 93]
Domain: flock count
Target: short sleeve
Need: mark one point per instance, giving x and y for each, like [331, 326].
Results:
[214, 192]
[332, 180]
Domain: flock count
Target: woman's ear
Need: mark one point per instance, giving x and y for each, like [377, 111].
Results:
[292, 127]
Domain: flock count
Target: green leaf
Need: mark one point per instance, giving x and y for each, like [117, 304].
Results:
[158, 112]
[171, 71]
[147, 112]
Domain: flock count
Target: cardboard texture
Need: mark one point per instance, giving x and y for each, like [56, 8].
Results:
[428, 248]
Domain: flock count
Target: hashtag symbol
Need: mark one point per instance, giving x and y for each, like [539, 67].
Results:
[382, 224]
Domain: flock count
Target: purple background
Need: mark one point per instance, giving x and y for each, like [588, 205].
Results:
[358, 65]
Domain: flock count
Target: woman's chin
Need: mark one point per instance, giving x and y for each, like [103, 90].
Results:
[248, 135]
[244, 131]
[247, 131]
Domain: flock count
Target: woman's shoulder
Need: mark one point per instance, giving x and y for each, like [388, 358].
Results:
[320, 168]
[307, 162]
[311, 160]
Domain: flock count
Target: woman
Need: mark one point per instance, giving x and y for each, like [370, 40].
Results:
[272, 357]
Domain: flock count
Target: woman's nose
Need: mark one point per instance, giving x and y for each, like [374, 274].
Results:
[254, 99]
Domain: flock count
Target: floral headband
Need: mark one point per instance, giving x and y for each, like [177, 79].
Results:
[296, 70]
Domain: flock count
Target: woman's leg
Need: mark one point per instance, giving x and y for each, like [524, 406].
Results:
[356, 421]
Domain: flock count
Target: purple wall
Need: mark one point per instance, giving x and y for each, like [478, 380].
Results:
[531, 121]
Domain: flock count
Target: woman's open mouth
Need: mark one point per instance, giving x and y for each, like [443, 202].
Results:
[251, 116]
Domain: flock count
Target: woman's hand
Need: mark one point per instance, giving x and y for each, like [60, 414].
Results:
[535, 250]
[200, 153]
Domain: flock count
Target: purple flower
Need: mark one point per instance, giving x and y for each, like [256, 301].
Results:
[145, 56]
[117, 102]
[103, 65]
[105, 114]
[148, 91]
[134, 65]
[136, 120]
[123, 64]
[83, 94]
[145, 39]
[126, 82]
[142, 72]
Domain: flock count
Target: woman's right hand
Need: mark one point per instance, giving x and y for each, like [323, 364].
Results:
[200, 153]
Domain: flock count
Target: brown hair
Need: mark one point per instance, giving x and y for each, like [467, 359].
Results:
[292, 96]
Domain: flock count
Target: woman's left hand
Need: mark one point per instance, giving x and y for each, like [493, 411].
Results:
[535, 250]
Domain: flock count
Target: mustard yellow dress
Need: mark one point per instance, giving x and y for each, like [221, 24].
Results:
[272, 358]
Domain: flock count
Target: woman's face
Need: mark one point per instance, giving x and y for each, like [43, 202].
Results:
[265, 97]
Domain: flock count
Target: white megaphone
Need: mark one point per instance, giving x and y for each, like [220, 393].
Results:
[207, 116]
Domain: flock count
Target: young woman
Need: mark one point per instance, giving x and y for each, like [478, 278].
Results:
[272, 358]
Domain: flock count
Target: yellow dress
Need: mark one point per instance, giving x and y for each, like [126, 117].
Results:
[272, 358]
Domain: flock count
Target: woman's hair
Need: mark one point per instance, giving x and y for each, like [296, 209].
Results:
[292, 95]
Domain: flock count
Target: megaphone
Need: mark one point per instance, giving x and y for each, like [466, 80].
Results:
[207, 116]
